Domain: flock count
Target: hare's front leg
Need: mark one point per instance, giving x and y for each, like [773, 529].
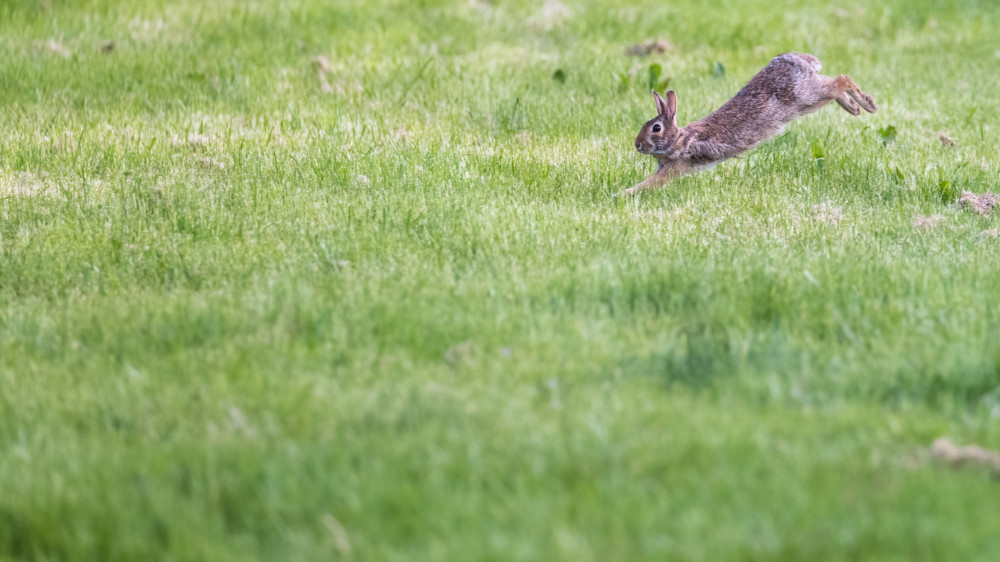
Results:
[659, 179]
[648, 183]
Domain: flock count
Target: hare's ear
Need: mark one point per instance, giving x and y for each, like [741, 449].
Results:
[671, 107]
[661, 106]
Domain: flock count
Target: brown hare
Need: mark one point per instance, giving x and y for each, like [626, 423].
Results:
[788, 87]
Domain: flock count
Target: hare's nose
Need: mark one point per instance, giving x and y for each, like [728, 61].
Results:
[637, 145]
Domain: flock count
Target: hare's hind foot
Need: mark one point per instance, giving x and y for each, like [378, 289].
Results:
[848, 104]
[865, 101]
[846, 86]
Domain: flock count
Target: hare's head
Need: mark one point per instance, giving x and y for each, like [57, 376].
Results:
[658, 134]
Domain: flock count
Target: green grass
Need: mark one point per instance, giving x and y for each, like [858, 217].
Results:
[244, 316]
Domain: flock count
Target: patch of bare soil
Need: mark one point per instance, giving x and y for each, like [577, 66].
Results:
[981, 204]
[944, 449]
[655, 46]
[926, 223]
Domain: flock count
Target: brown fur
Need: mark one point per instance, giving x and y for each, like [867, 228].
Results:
[788, 87]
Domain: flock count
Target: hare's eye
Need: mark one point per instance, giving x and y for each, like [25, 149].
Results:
[656, 128]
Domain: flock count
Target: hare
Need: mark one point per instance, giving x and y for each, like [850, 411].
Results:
[788, 87]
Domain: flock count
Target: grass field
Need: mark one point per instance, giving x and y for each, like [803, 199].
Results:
[256, 305]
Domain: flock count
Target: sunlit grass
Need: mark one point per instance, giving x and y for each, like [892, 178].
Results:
[381, 305]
